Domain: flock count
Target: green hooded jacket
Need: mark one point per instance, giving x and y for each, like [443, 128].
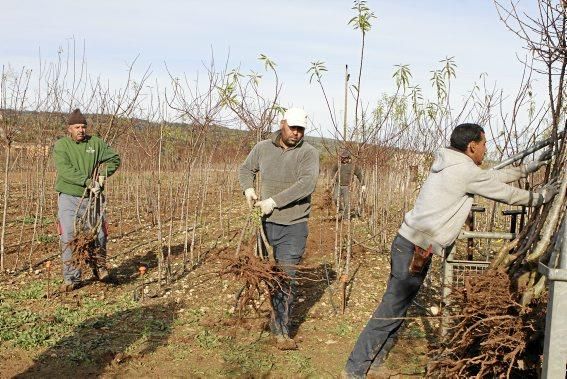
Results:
[76, 162]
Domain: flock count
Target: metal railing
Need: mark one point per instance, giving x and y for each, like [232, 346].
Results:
[455, 271]
[555, 342]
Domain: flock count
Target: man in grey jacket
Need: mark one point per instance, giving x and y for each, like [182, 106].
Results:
[289, 168]
[440, 211]
[343, 176]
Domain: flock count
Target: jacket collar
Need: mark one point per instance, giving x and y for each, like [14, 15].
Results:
[85, 140]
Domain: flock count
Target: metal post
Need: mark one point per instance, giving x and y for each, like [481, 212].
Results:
[470, 222]
[470, 241]
[514, 221]
[523, 218]
[514, 213]
[555, 342]
[491, 235]
[446, 290]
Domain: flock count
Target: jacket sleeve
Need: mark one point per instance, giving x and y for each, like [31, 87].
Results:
[508, 175]
[308, 172]
[65, 170]
[485, 184]
[249, 168]
[110, 158]
[334, 169]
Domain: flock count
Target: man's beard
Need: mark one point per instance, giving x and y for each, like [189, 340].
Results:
[290, 142]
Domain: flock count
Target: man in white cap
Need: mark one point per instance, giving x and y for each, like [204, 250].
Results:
[289, 167]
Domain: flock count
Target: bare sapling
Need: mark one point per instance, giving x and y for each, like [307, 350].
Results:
[13, 97]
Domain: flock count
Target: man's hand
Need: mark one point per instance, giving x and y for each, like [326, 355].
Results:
[267, 206]
[549, 191]
[363, 189]
[95, 188]
[251, 196]
[540, 161]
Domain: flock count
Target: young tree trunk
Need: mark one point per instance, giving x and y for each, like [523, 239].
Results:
[5, 209]
[158, 212]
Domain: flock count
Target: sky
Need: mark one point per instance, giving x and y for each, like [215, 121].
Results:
[184, 33]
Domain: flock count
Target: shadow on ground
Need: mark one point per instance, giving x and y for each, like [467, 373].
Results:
[102, 342]
[428, 296]
[127, 272]
[312, 284]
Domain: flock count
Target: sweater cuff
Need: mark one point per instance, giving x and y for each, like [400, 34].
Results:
[524, 170]
[276, 200]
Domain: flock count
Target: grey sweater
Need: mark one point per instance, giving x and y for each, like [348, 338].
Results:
[347, 171]
[446, 198]
[287, 176]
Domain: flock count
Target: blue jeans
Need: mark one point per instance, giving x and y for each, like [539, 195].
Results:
[378, 336]
[288, 242]
[71, 208]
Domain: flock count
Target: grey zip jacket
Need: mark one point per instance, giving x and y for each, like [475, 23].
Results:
[288, 176]
[347, 171]
[446, 198]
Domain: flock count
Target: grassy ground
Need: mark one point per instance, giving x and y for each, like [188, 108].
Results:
[188, 327]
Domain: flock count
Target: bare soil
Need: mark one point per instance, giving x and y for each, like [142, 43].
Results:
[188, 327]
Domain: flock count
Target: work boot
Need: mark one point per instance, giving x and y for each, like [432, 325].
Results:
[347, 375]
[99, 270]
[102, 273]
[69, 287]
[381, 373]
[285, 342]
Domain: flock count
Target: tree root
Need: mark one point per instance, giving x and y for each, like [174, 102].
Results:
[491, 334]
[261, 279]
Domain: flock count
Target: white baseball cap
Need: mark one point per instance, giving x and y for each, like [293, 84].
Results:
[296, 117]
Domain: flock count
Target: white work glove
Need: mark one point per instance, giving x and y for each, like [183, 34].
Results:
[549, 191]
[251, 196]
[363, 189]
[95, 188]
[267, 206]
[101, 179]
[542, 160]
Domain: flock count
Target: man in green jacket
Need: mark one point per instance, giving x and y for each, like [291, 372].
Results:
[289, 168]
[79, 184]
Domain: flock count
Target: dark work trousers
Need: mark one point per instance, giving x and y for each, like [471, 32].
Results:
[379, 334]
[71, 208]
[288, 242]
[343, 194]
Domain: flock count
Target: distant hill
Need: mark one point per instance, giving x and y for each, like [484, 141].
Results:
[53, 124]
